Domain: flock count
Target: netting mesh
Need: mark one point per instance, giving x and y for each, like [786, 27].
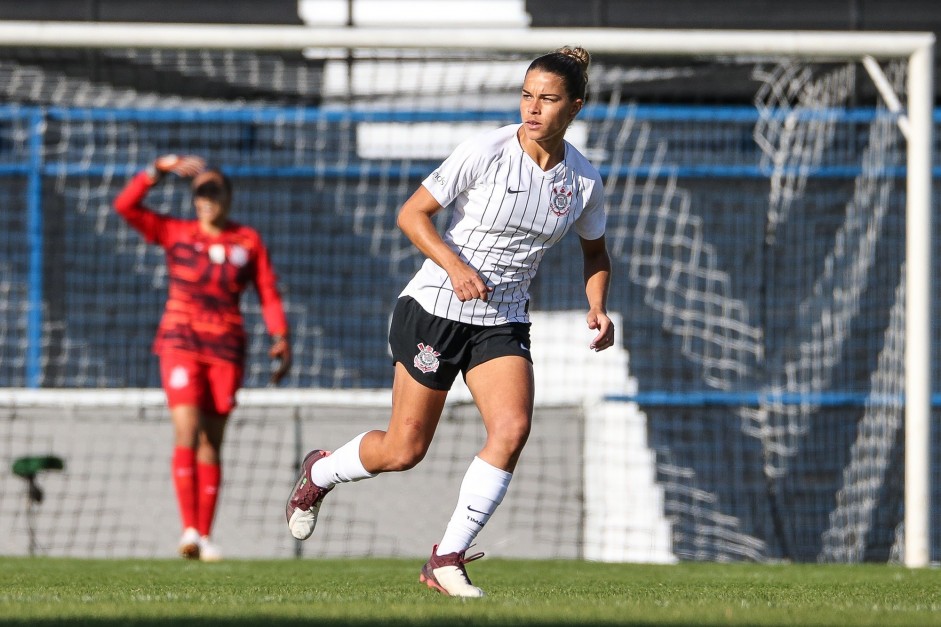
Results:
[119, 500]
[758, 250]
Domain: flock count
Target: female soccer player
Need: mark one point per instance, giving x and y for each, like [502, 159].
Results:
[201, 338]
[516, 191]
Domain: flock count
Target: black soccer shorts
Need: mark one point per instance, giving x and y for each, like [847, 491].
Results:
[434, 350]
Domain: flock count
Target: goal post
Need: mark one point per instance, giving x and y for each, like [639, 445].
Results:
[918, 309]
[629, 157]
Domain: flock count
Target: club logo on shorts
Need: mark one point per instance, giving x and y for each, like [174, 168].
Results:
[427, 359]
[560, 201]
[178, 378]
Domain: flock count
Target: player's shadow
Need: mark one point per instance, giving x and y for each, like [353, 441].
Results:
[484, 619]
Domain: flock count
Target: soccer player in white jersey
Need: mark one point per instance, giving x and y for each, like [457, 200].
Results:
[514, 192]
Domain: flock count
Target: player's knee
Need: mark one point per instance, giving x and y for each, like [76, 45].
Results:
[405, 458]
[512, 434]
[404, 461]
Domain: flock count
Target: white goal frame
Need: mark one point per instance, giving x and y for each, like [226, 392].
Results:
[915, 47]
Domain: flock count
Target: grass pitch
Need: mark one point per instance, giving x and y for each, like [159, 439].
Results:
[43, 592]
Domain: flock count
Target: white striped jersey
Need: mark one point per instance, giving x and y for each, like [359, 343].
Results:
[507, 213]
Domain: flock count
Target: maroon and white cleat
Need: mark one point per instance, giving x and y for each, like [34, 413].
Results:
[304, 505]
[447, 575]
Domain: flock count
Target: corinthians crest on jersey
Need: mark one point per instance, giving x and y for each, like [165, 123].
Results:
[427, 359]
[560, 200]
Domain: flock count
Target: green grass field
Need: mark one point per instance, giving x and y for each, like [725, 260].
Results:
[44, 591]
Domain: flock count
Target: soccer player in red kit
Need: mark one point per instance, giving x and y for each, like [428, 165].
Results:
[201, 339]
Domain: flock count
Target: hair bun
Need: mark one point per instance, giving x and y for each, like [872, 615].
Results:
[579, 54]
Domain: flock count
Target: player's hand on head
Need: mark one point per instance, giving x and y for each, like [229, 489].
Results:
[605, 337]
[280, 351]
[182, 165]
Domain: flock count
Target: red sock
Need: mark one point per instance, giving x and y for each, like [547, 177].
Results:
[208, 479]
[184, 480]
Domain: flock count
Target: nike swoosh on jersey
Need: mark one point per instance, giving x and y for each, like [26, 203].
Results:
[510, 190]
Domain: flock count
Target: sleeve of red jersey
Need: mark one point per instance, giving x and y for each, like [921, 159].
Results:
[129, 205]
[266, 283]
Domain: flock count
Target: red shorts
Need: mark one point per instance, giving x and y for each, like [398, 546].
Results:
[211, 386]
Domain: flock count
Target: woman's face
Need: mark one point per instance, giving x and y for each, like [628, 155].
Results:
[210, 199]
[545, 107]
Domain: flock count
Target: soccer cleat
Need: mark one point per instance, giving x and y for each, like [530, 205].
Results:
[304, 504]
[447, 575]
[189, 544]
[209, 552]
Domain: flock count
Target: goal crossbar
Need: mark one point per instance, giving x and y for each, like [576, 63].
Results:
[830, 44]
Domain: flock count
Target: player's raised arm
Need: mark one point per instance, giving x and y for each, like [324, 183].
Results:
[186, 166]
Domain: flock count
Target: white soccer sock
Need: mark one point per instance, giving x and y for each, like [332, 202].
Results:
[341, 466]
[482, 490]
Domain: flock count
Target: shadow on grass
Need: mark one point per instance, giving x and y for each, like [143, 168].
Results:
[489, 621]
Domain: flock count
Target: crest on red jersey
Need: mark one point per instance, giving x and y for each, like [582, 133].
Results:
[238, 256]
[217, 253]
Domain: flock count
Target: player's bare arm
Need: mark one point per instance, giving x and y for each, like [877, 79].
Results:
[597, 270]
[415, 221]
